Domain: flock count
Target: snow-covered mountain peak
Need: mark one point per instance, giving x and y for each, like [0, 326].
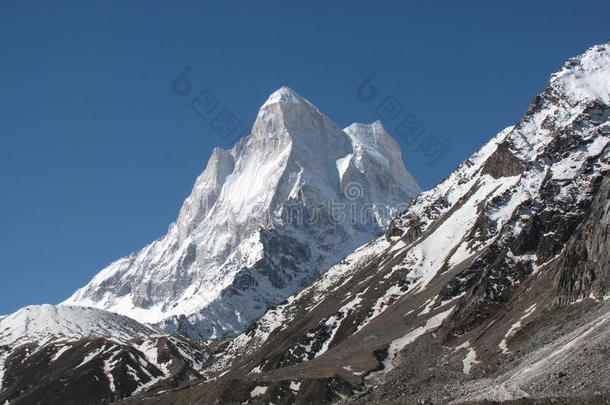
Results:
[587, 76]
[259, 223]
[374, 139]
[286, 118]
[285, 95]
[554, 154]
[373, 146]
[581, 88]
[43, 322]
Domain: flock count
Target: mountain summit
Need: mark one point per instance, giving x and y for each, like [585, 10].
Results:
[262, 221]
[285, 95]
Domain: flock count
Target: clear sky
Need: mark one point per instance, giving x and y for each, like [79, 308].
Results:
[97, 152]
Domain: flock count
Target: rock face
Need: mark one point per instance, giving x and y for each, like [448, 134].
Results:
[493, 286]
[262, 221]
[585, 263]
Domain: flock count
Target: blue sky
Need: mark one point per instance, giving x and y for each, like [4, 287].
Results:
[97, 152]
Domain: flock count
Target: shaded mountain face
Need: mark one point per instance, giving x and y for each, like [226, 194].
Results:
[263, 220]
[493, 286]
[76, 355]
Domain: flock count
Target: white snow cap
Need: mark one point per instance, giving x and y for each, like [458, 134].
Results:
[285, 95]
[586, 76]
[41, 322]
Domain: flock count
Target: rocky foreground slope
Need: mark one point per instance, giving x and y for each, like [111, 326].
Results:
[492, 287]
